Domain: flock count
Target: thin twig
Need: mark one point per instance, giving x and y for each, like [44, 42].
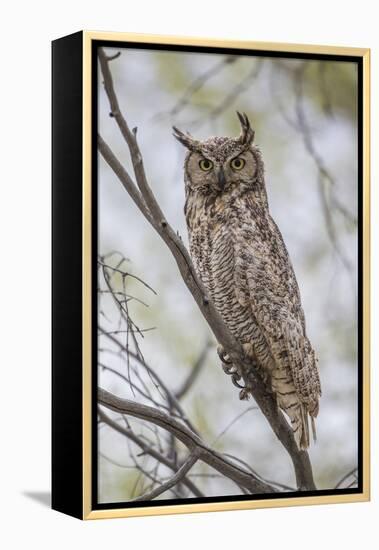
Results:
[324, 176]
[223, 432]
[232, 95]
[159, 382]
[197, 84]
[172, 482]
[195, 371]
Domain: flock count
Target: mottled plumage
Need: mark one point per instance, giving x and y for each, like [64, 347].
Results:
[240, 255]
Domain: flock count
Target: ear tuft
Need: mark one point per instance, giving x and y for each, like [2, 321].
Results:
[247, 133]
[185, 139]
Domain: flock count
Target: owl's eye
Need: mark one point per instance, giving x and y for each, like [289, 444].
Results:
[206, 165]
[237, 163]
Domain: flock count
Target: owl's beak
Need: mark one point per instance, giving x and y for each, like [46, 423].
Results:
[221, 178]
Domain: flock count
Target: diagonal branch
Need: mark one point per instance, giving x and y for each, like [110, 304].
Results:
[174, 480]
[352, 473]
[198, 83]
[148, 450]
[192, 441]
[232, 96]
[153, 213]
[195, 371]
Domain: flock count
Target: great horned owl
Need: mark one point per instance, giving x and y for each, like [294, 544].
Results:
[239, 254]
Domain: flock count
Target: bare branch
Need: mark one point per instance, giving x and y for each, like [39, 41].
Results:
[352, 473]
[124, 274]
[188, 438]
[139, 390]
[172, 482]
[324, 178]
[221, 434]
[195, 371]
[124, 177]
[115, 463]
[148, 450]
[159, 382]
[198, 83]
[233, 94]
[112, 57]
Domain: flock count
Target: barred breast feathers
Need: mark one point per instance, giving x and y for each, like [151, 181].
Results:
[240, 255]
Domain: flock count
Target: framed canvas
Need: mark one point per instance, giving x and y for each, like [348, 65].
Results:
[210, 275]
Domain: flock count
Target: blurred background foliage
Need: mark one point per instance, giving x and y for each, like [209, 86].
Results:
[305, 117]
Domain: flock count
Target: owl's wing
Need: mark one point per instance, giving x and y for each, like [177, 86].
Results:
[265, 279]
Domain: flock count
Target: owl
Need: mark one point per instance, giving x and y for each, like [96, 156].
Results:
[240, 256]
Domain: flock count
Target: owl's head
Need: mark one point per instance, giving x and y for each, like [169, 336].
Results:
[221, 165]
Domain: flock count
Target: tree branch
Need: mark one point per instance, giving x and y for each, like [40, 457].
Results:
[195, 371]
[145, 200]
[198, 83]
[174, 480]
[352, 473]
[233, 94]
[148, 450]
[188, 438]
[171, 398]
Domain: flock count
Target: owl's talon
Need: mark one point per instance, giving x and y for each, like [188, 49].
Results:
[223, 355]
[229, 369]
[235, 379]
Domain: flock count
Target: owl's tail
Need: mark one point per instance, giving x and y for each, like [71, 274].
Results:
[300, 426]
[303, 438]
[297, 411]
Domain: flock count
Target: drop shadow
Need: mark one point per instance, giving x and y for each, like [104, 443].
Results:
[42, 497]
